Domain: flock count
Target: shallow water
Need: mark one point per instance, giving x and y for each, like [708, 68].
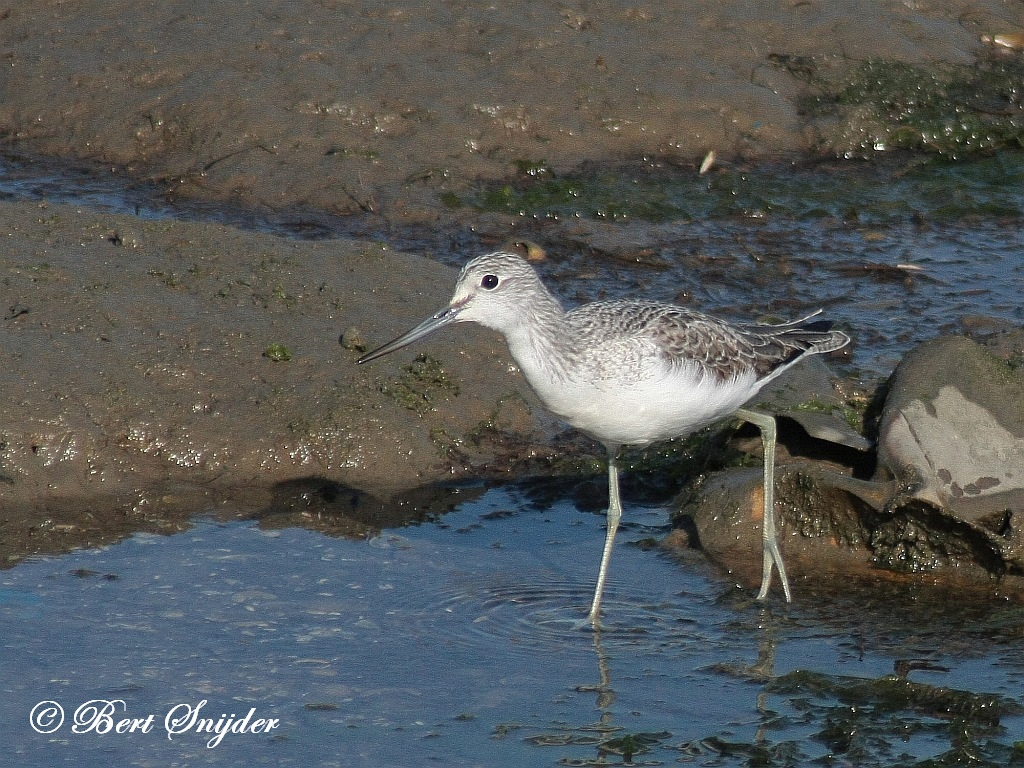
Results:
[461, 642]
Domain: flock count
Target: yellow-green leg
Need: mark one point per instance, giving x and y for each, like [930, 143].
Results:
[614, 515]
[769, 537]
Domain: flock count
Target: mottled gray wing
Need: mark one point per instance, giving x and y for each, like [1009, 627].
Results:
[683, 336]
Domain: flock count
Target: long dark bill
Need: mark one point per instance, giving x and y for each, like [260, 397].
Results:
[428, 326]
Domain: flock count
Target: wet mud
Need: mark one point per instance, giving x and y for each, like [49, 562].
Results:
[152, 369]
[352, 107]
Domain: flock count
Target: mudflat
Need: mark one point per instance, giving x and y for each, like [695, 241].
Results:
[153, 369]
[350, 107]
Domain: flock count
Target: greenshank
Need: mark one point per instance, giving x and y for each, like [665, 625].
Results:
[632, 372]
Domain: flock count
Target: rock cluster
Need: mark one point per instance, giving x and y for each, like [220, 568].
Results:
[941, 492]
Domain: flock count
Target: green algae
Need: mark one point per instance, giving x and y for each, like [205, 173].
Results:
[278, 353]
[422, 384]
[597, 196]
[853, 416]
[894, 188]
[850, 721]
[945, 142]
[952, 110]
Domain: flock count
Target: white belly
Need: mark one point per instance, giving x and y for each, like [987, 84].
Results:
[659, 407]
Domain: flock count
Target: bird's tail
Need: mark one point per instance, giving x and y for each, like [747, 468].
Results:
[787, 343]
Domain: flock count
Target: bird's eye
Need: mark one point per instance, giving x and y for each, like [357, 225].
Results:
[489, 282]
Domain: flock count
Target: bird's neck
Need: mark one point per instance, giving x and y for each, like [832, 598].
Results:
[544, 344]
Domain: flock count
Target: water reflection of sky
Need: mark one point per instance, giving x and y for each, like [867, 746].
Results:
[461, 643]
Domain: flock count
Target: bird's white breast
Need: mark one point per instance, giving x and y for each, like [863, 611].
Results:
[653, 401]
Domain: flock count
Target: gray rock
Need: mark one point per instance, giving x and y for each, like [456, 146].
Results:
[807, 395]
[952, 429]
[827, 426]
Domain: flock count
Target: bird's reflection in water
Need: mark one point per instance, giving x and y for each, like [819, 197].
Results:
[614, 744]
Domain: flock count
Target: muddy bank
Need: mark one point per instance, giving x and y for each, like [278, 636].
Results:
[155, 369]
[351, 107]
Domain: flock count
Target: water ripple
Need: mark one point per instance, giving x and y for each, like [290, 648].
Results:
[530, 617]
